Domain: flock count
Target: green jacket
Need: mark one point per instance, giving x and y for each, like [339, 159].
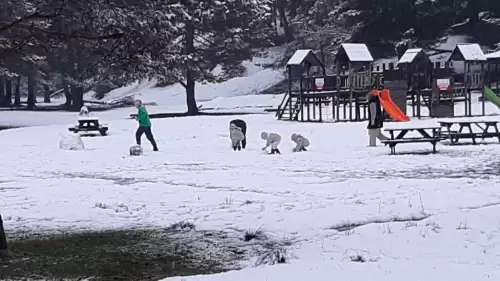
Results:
[143, 117]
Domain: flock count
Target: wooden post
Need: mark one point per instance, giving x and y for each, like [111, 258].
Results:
[3, 239]
[482, 77]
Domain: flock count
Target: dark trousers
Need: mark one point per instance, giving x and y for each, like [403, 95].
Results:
[149, 135]
[243, 126]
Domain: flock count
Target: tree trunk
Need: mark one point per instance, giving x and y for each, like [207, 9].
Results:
[77, 95]
[46, 93]
[190, 93]
[3, 239]
[284, 20]
[17, 94]
[190, 74]
[8, 92]
[2, 90]
[67, 93]
[31, 90]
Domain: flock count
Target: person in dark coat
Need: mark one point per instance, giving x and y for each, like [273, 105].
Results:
[376, 119]
[243, 126]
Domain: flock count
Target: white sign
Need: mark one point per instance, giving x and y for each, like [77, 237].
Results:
[443, 84]
[319, 83]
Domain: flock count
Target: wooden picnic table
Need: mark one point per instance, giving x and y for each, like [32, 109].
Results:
[430, 134]
[89, 124]
[483, 129]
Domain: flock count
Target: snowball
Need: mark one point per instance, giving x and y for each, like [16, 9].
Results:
[71, 142]
[135, 150]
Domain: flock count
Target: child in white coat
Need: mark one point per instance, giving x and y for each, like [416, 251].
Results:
[272, 140]
[301, 142]
[236, 136]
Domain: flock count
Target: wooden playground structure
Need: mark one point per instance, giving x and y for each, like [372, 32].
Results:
[430, 89]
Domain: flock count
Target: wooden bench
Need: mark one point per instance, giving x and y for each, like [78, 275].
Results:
[483, 131]
[87, 124]
[433, 137]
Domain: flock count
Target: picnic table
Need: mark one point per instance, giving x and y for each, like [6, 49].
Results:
[89, 124]
[483, 129]
[429, 134]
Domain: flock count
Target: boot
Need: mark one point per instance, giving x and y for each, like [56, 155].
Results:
[234, 148]
[155, 149]
[275, 151]
[239, 148]
[304, 149]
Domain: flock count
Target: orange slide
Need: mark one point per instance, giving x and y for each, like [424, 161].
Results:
[390, 107]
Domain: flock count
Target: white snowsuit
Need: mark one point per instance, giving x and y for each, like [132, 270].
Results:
[272, 140]
[301, 142]
[84, 111]
[236, 136]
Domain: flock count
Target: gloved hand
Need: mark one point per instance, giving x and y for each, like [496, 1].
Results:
[294, 149]
[264, 148]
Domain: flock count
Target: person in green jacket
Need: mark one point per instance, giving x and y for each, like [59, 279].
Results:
[144, 125]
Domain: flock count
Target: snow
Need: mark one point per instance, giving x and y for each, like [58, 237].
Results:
[256, 80]
[71, 142]
[449, 43]
[409, 55]
[196, 177]
[357, 52]
[298, 57]
[452, 196]
[494, 55]
[471, 52]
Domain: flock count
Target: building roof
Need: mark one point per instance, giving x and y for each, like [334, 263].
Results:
[356, 52]
[467, 52]
[409, 56]
[300, 56]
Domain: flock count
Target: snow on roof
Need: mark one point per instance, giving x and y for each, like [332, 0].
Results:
[409, 55]
[471, 52]
[357, 52]
[495, 55]
[298, 57]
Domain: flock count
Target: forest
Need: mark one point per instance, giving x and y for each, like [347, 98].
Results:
[71, 47]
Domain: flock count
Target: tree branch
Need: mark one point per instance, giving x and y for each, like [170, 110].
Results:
[34, 16]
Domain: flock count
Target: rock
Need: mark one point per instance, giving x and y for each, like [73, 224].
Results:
[71, 142]
[135, 150]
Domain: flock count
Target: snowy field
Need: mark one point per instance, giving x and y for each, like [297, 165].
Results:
[452, 197]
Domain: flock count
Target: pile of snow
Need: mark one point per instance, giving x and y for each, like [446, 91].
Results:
[71, 142]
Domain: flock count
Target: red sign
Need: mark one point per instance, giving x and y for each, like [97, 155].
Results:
[443, 84]
[319, 83]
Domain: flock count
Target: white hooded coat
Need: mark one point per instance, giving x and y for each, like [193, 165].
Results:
[300, 140]
[235, 133]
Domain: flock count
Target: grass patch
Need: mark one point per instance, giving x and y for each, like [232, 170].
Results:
[112, 255]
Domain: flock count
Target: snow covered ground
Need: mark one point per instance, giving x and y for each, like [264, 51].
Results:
[303, 197]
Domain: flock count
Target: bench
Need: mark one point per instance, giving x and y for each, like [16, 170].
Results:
[483, 133]
[89, 125]
[433, 137]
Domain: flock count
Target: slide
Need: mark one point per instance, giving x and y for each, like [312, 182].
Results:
[491, 96]
[390, 107]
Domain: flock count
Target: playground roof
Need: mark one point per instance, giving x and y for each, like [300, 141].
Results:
[467, 52]
[411, 54]
[355, 52]
[301, 56]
